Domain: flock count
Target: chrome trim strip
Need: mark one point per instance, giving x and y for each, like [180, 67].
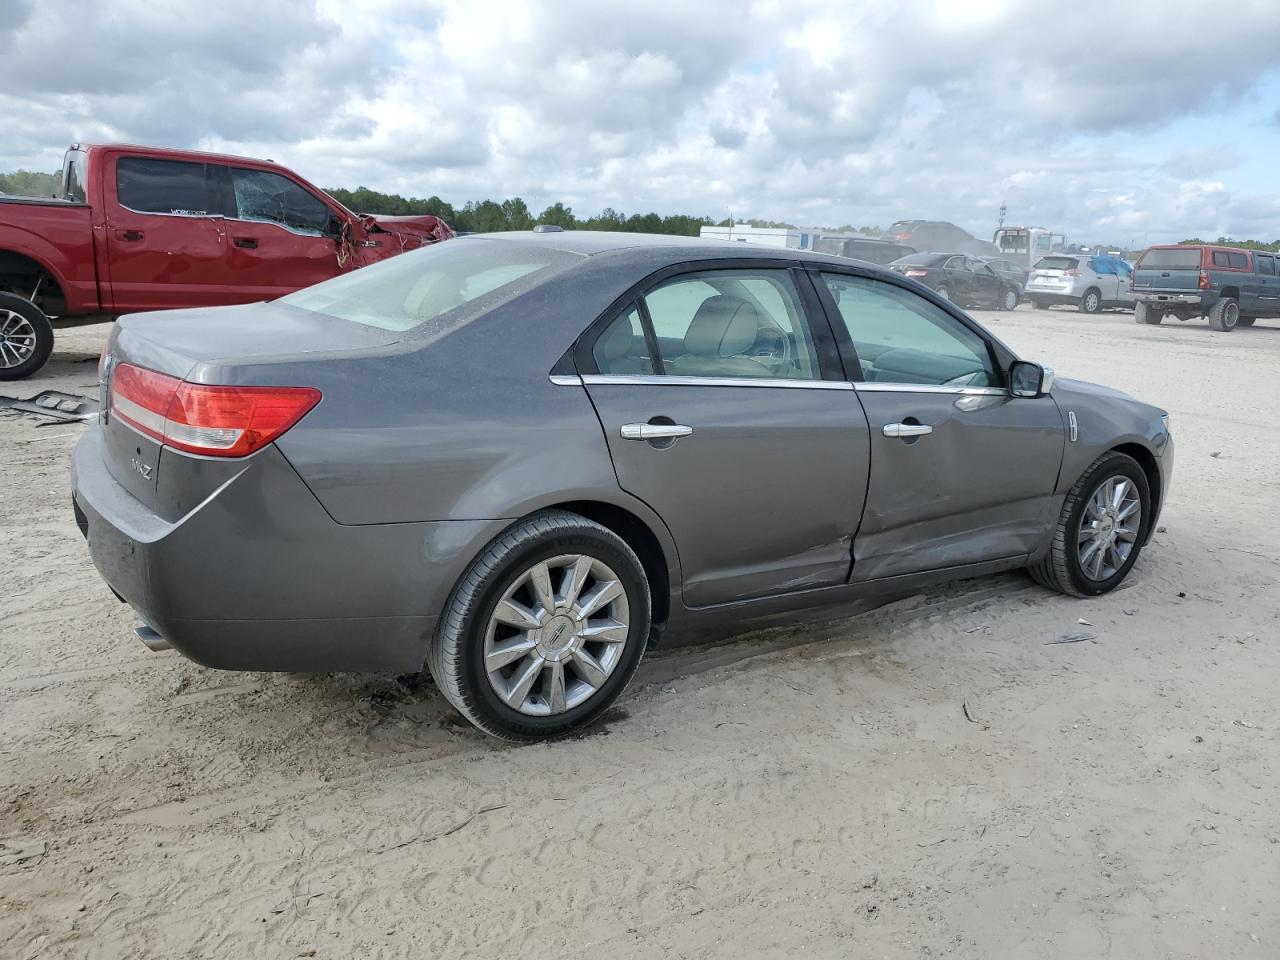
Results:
[565, 380]
[930, 388]
[594, 379]
[1046, 382]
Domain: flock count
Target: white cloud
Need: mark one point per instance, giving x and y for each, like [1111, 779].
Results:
[803, 110]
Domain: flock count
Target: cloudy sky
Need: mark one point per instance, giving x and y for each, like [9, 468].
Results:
[1146, 120]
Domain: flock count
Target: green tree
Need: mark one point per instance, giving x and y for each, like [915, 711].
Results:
[515, 213]
[558, 215]
[29, 183]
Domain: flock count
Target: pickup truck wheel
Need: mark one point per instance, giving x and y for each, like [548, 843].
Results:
[1091, 302]
[26, 337]
[1225, 315]
[1245, 321]
[1142, 313]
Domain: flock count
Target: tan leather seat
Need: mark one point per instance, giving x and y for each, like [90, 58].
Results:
[620, 351]
[722, 330]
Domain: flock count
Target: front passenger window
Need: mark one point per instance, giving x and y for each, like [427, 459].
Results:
[902, 338]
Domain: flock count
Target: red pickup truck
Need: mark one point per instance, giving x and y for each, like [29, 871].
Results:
[145, 228]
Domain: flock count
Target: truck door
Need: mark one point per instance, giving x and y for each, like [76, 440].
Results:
[280, 236]
[164, 234]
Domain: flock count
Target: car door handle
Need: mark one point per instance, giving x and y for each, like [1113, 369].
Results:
[248, 243]
[133, 236]
[654, 431]
[907, 429]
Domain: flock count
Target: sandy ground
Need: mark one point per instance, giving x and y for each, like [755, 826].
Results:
[815, 790]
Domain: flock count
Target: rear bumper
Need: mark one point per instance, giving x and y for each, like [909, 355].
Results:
[1050, 296]
[1184, 298]
[259, 577]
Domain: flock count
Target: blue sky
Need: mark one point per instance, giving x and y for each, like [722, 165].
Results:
[1155, 122]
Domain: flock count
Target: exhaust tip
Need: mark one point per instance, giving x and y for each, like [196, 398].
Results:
[154, 642]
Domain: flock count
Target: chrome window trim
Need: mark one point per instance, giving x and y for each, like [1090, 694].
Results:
[566, 380]
[866, 387]
[602, 379]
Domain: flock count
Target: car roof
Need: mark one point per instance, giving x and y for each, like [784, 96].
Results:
[589, 243]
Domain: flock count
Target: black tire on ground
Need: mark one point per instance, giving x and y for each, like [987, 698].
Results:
[26, 337]
[1091, 301]
[455, 656]
[1225, 315]
[1060, 568]
[1009, 299]
[1039, 304]
[1142, 313]
[1246, 321]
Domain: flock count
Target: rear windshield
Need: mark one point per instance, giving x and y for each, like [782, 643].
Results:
[437, 289]
[1057, 263]
[1187, 258]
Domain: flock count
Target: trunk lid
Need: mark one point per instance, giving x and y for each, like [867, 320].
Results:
[257, 344]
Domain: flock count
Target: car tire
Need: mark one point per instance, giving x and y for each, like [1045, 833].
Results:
[1063, 567]
[466, 643]
[945, 293]
[26, 337]
[1225, 315]
[1246, 321]
[1009, 299]
[1091, 301]
[1039, 304]
[1142, 313]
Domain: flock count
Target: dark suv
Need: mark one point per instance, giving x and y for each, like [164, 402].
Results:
[1231, 286]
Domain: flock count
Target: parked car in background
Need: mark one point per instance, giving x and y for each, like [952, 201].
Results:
[522, 459]
[1009, 270]
[145, 228]
[1231, 286]
[939, 236]
[867, 249]
[962, 279]
[1090, 284]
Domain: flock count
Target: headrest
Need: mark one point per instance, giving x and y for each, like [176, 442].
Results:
[617, 341]
[724, 326]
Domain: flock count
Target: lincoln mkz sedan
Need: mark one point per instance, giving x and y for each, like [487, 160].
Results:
[519, 460]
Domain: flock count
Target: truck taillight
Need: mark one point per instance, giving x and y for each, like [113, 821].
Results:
[217, 421]
[1071, 273]
[917, 273]
[1204, 280]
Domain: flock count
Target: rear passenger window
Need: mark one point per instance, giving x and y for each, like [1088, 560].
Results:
[732, 323]
[1267, 265]
[621, 349]
[1228, 258]
[174, 187]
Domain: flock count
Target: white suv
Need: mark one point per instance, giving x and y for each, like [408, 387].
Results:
[1090, 283]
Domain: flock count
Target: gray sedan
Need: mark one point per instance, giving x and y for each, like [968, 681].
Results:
[520, 460]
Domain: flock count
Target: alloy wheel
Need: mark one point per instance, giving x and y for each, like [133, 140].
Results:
[1109, 528]
[17, 339]
[556, 635]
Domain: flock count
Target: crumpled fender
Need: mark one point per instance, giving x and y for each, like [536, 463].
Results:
[410, 231]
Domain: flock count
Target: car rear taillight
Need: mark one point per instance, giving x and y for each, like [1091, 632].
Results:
[217, 421]
[1204, 280]
[917, 273]
[1071, 273]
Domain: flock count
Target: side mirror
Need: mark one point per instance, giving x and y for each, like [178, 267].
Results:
[1030, 380]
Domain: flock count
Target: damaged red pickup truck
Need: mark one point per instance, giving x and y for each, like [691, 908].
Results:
[144, 228]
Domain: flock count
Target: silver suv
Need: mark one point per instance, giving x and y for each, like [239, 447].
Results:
[1090, 283]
